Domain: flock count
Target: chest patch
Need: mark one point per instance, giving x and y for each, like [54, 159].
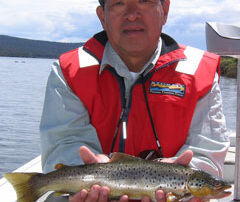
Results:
[157, 87]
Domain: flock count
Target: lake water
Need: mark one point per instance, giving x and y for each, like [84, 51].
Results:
[22, 88]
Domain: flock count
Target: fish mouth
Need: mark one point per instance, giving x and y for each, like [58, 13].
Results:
[221, 192]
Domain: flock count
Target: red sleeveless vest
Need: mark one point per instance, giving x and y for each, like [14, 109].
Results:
[181, 76]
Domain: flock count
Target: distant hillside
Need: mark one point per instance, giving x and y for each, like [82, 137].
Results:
[229, 66]
[20, 47]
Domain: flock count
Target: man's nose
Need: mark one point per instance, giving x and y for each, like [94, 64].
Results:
[132, 12]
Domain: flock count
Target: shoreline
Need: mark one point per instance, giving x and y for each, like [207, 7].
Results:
[228, 66]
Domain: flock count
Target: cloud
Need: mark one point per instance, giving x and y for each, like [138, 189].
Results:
[214, 9]
[49, 20]
[186, 21]
[75, 20]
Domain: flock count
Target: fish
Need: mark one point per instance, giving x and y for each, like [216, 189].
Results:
[124, 175]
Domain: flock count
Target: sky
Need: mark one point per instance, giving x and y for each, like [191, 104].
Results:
[76, 21]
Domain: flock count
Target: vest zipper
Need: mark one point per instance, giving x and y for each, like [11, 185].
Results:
[123, 133]
[123, 130]
[127, 106]
[123, 116]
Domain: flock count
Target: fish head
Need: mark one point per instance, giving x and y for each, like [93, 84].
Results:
[205, 185]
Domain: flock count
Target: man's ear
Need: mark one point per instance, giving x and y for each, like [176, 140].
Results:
[166, 5]
[100, 14]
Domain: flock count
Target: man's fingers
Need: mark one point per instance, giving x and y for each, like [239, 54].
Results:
[93, 194]
[104, 192]
[79, 197]
[184, 158]
[96, 193]
[124, 198]
[160, 196]
[87, 155]
[145, 199]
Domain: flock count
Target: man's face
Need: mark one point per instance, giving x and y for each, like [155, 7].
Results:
[133, 26]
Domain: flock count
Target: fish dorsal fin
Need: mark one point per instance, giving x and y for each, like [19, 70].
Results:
[117, 156]
[59, 166]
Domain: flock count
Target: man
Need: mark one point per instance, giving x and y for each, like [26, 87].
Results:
[136, 91]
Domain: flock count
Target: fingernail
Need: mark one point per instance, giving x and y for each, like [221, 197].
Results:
[145, 199]
[95, 187]
[83, 194]
[159, 197]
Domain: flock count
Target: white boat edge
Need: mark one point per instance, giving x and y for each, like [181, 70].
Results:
[8, 194]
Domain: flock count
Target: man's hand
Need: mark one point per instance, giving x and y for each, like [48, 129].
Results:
[184, 159]
[100, 194]
[89, 157]
[96, 193]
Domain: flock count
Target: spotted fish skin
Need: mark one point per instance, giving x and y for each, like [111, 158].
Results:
[124, 174]
[128, 177]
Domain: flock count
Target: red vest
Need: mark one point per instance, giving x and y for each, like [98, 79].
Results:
[181, 76]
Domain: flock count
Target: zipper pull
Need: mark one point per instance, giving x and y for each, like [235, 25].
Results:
[124, 123]
[124, 127]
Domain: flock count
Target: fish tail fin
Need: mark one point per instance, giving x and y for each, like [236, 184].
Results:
[23, 186]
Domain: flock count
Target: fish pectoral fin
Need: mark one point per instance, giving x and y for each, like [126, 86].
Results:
[117, 156]
[173, 197]
[187, 197]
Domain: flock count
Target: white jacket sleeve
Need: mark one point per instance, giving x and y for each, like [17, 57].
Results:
[208, 136]
[65, 124]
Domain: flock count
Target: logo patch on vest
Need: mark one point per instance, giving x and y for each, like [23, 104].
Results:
[157, 87]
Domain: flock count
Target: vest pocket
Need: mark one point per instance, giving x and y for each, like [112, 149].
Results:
[165, 99]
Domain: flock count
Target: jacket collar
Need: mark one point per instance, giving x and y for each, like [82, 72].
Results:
[170, 51]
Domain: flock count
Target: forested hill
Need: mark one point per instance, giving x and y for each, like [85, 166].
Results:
[20, 47]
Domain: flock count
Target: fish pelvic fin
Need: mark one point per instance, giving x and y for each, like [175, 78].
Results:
[21, 184]
[171, 197]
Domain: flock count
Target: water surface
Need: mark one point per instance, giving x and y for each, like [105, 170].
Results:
[22, 88]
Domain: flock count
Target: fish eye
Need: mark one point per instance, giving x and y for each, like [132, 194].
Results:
[218, 184]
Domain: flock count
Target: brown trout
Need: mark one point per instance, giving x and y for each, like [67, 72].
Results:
[124, 174]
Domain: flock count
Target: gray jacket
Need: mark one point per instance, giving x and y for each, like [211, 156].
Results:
[65, 123]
